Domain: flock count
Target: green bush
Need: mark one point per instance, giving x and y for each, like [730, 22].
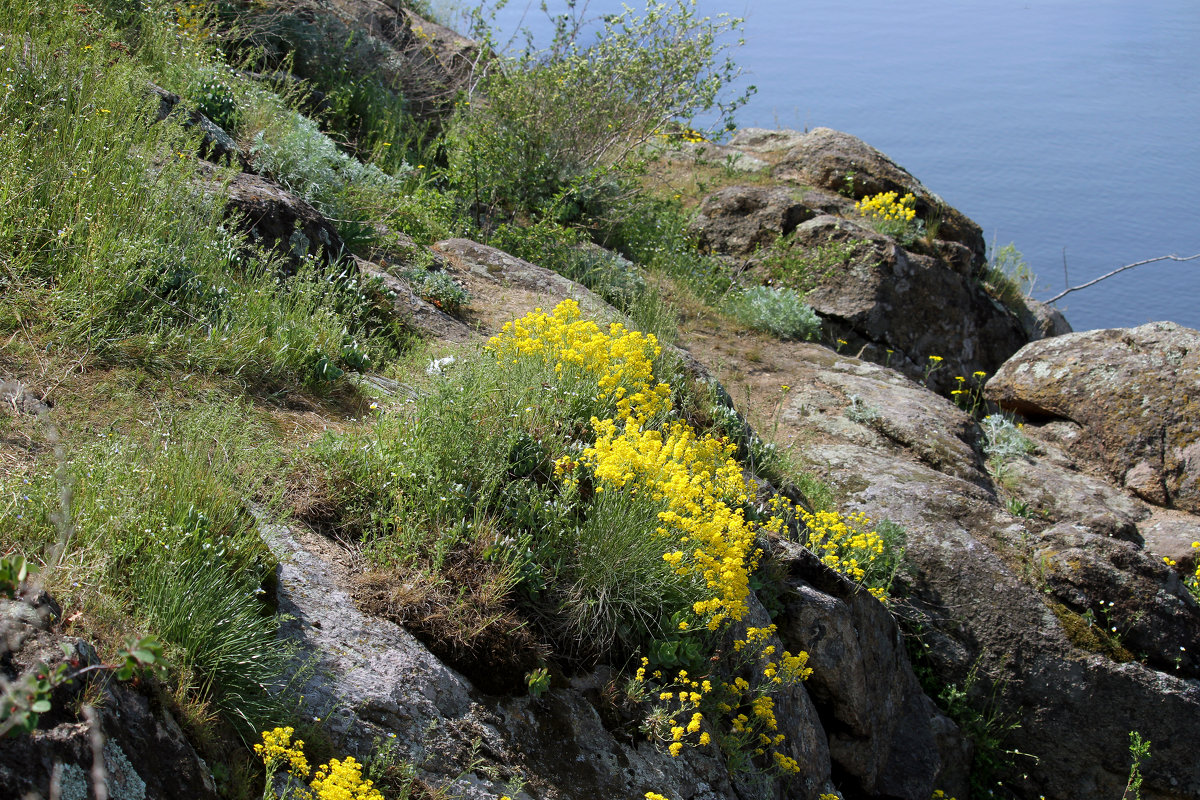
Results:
[110, 246]
[536, 125]
[438, 288]
[779, 311]
[1008, 277]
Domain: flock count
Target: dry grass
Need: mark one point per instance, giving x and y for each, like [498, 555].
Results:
[465, 616]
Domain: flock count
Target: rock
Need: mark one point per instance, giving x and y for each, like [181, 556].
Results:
[146, 755]
[506, 287]
[1135, 603]
[829, 159]
[1132, 394]
[877, 407]
[765, 140]
[17, 399]
[1169, 534]
[738, 220]
[886, 738]
[985, 597]
[1058, 493]
[900, 308]
[984, 626]
[215, 144]
[276, 218]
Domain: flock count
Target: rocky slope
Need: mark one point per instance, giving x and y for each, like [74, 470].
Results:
[1040, 600]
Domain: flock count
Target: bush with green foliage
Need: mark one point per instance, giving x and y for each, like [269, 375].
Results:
[537, 125]
[777, 310]
[109, 243]
[1008, 277]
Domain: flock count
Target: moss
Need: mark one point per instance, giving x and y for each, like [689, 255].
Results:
[1086, 635]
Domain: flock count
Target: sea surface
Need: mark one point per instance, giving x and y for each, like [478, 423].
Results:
[1070, 128]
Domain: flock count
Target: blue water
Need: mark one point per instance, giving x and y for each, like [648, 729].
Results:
[1060, 125]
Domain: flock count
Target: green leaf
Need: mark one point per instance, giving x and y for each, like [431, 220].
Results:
[40, 706]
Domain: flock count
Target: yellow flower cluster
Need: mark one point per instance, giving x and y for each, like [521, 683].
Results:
[747, 704]
[698, 481]
[695, 477]
[337, 780]
[655, 796]
[845, 543]
[621, 361]
[343, 780]
[277, 747]
[888, 207]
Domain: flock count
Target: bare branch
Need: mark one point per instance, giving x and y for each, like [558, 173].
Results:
[1094, 281]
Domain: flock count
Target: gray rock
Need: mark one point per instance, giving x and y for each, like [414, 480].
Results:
[900, 308]
[1132, 392]
[829, 159]
[765, 140]
[886, 738]
[415, 311]
[276, 218]
[17, 399]
[738, 220]
[146, 755]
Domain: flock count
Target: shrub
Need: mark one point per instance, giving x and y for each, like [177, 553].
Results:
[779, 311]
[1004, 440]
[535, 125]
[295, 152]
[1008, 277]
[438, 288]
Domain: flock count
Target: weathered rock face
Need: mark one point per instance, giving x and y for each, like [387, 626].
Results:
[277, 219]
[738, 220]
[1132, 392]
[144, 754]
[1004, 607]
[892, 304]
[901, 308]
[837, 161]
[886, 737]
[512, 286]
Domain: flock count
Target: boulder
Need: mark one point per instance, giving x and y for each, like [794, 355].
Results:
[886, 737]
[739, 220]
[215, 144]
[765, 140]
[274, 217]
[907, 310]
[144, 752]
[1132, 394]
[839, 162]
[507, 287]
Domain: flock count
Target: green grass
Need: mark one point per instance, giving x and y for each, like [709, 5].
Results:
[154, 518]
